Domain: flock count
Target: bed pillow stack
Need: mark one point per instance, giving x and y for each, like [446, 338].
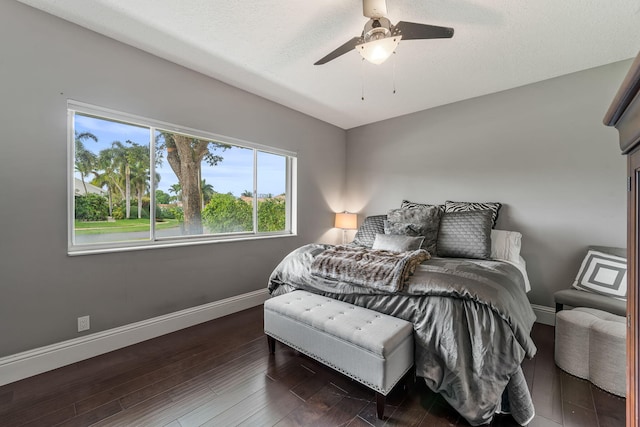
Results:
[464, 228]
[415, 221]
[453, 229]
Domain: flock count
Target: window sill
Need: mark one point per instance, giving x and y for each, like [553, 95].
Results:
[78, 251]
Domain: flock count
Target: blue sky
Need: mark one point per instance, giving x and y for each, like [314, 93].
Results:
[234, 174]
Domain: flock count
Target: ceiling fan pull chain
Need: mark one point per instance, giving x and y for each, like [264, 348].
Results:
[362, 77]
[394, 72]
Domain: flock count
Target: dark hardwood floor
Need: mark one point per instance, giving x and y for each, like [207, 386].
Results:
[220, 374]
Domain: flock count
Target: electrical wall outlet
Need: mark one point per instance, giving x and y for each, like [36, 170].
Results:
[83, 323]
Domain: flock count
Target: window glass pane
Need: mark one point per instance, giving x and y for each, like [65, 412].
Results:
[111, 181]
[198, 185]
[202, 182]
[272, 180]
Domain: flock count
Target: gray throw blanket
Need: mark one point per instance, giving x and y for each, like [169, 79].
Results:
[471, 318]
[382, 270]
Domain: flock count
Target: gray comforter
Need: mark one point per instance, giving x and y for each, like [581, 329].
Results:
[472, 324]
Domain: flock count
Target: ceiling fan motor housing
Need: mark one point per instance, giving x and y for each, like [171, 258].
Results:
[374, 8]
[376, 29]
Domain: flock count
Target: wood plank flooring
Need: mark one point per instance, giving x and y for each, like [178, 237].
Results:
[220, 373]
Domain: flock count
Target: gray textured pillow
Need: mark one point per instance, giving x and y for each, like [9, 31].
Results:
[415, 221]
[397, 243]
[371, 226]
[465, 234]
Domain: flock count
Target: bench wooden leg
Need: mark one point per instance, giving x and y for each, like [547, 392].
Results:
[271, 342]
[380, 399]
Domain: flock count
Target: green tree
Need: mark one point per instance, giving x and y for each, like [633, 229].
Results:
[127, 165]
[247, 193]
[271, 215]
[85, 160]
[207, 192]
[138, 160]
[177, 190]
[225, 213]
[119, 156]
[185, 155]
[109, 175]
[90, 207]
[162, 197]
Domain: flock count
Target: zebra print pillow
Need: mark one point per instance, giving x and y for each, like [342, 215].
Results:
[407, 204]
[494, 207]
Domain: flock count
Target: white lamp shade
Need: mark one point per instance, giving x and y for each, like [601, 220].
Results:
[378, 51]
[346, 221]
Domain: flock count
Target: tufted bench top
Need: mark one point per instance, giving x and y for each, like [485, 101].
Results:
[376, 332]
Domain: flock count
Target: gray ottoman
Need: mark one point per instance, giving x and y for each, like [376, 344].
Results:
[591, 344]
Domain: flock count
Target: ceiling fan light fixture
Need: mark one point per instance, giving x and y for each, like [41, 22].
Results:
[378, 51]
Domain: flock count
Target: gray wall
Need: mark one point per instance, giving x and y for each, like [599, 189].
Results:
[44, 62]
[541, 149]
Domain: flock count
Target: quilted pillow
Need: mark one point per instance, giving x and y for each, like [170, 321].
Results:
[397, 243]
[603, 274]
[371, 226]
[465, 235]
[494, 207]
[416, 221]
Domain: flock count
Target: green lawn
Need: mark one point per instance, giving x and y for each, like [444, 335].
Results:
[121, 226]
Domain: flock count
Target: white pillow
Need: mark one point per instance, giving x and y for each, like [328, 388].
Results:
[505, 245]
[603, 274]
[397, 242]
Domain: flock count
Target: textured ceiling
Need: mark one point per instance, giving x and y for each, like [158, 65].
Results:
[268, 47]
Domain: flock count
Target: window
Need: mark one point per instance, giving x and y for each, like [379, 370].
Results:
[137, 182]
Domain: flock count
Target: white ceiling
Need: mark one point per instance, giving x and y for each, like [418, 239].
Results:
[268, 47]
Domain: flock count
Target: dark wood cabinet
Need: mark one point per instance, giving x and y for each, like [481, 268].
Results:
[624, 114]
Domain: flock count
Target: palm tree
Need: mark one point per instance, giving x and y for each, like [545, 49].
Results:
[109, 175]
[120, 163]
[177, 190]
[85, 160]
[207, 192]
[126, 158]
[138, 161]
[140, 181]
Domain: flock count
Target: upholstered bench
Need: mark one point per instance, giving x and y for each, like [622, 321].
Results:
[372, 348]
[581, 298]
[591, 344]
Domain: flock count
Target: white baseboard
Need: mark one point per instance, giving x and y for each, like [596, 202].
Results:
[546, 315]
[32, 362]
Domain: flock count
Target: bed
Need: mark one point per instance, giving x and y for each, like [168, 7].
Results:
[471, 316]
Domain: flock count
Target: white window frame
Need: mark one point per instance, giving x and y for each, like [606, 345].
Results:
[74, 107]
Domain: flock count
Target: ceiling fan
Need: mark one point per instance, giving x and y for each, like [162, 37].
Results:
[380, 37]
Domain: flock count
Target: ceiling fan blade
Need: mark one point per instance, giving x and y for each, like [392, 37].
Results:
[350, 45]
[413, 31]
